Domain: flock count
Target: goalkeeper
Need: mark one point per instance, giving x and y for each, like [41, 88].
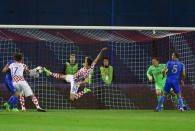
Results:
[156, 70]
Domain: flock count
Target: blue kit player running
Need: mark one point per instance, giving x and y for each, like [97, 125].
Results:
[174, 67]
[9, 85]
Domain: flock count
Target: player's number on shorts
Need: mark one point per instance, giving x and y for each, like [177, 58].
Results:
[174, 70]
[74, 89]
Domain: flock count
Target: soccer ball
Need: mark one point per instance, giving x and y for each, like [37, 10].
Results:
[39, 69]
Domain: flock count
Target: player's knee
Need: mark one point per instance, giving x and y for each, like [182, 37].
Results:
[16, 94]
[31, 96]
[164, 93]
[72, 97]
[158, 92]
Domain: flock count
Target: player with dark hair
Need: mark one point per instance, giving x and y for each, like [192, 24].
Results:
[174, 67]
[91, 73]
[17, 68]
[81, 77]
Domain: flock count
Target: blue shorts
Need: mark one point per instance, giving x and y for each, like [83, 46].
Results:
[9, 86]
[174, 84]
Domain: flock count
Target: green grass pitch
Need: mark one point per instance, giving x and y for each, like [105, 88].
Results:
[97, 120]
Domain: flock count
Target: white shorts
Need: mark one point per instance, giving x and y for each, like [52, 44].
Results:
[23, 87]
[74, 87]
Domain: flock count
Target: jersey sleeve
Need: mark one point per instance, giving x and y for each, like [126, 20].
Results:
[183, 67]
[92, 65]
[25, 67]
[149, 71]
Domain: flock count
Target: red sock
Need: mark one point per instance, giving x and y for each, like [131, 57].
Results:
[56, 75]
[22, 102]
[78, 95]
[35, 101]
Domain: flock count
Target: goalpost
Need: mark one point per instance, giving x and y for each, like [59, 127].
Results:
[130, 50]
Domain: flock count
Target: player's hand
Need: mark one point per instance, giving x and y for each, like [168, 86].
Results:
[163, 77]
[78, 83]
[150, 78]
[182, 82]
[103, 49]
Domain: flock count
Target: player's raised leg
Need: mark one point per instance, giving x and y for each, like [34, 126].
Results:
[55, 75]
[74, 88]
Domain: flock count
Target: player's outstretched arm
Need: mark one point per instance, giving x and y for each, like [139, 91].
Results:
[183, 78]
[149, 74]
[99, 55]
[27, 71]
[34, 72]
[5, 68]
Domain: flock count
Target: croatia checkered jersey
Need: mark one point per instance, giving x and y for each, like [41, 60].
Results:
[17, 70]
[83, 73]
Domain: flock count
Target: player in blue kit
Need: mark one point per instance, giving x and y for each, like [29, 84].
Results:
[9, 84]
[174, 67]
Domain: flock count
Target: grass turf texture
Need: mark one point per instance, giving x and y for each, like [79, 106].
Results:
[97, 120]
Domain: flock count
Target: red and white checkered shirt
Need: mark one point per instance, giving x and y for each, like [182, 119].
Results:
[17, 70]
[83, 73]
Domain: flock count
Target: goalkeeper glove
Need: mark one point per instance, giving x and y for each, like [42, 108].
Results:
[150, 78]
[36, 71]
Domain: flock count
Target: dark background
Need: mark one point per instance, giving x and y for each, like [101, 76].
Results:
[99, 12]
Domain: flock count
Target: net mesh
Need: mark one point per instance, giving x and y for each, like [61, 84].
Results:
[129, 52]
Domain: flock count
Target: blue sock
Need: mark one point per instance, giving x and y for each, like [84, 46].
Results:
[180, 102]
[162, 98]
[15, 103]
[11, 99]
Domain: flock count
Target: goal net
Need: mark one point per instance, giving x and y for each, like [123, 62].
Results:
[130, 51]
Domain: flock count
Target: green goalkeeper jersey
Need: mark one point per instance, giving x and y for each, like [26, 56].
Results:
[156, 72]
